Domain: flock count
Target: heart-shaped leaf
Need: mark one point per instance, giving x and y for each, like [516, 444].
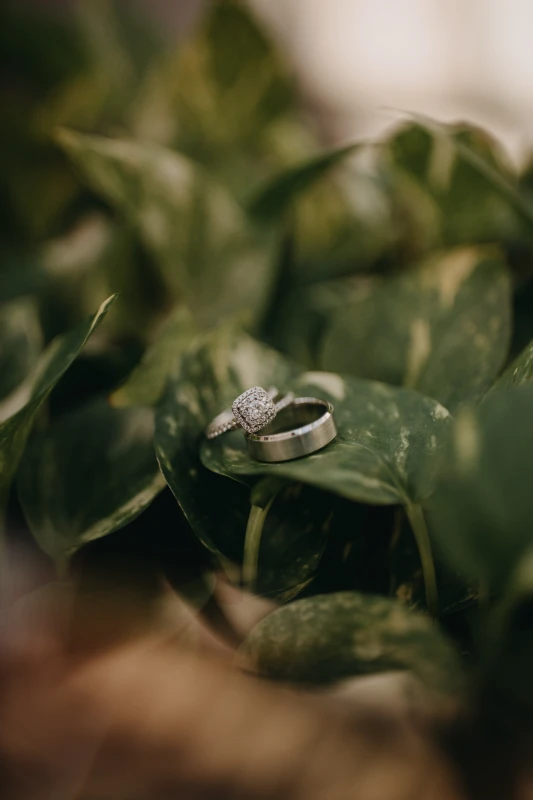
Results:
[219, 367]
[386, 450]
[204, 246]
[482, 507]
[287, 534]
[385, 453]
[331, 637]
[89, 474]
[147, 382]
[479, 177]
[14, 430]
[442, 328]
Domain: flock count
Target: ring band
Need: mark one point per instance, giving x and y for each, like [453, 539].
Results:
[304, 427]
[252, 410]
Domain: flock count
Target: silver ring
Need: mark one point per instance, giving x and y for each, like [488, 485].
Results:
[304, 427]
[252, 410]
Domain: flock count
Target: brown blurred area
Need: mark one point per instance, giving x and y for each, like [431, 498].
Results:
[173, 714]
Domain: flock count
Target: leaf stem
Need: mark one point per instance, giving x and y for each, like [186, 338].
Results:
[252, 543]
[420, 531]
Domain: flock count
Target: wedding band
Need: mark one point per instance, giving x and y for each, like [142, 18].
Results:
[303, 427]
[252, 410]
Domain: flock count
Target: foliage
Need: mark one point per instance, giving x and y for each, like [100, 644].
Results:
[393, 278]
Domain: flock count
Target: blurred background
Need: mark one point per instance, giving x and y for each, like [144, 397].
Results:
[358, 59]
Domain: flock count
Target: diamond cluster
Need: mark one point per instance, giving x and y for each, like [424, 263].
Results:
[254, 409]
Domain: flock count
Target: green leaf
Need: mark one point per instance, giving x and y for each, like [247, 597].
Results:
[218, 367]
[386, 450]
[481, 176]
[206, 250]
[407, 582]
[519, 372]
[120, 42]
[442, 328]
[353, 218]
[331, 637]
[482, 508]
[304, 316]
[292, 532]
[14, 430]
[94, 258]
[118, 47]
[147, 382]
[219, 92]
[20, 343]
[93, 471]
[275, 198]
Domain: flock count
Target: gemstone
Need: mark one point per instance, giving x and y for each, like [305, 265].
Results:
[254, 409]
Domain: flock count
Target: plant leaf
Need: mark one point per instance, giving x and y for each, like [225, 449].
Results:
[89, 474]
[92, 259]
[272, 200]
[204, 246]
[219, 367]
[21, 342]
[330, 637]
[442, 328]
[14, 430]
[482, 507]
[407, 582]
[481, 160]
[293, 538]
[519, 372]
[146, 383]
[219, 91]
[385, 452]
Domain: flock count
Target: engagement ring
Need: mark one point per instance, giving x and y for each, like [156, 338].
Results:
[252, 411]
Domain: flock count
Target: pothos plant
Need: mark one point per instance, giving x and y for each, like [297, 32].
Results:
[393, 278]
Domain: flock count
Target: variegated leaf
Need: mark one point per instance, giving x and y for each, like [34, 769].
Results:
[146, 383]
[89, 474]
[442, 328]
[386, 450]
[331, 637]
[219, 367]
[21, 412]
[205, 248]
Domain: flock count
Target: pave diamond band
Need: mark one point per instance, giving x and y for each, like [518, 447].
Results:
[251, 411]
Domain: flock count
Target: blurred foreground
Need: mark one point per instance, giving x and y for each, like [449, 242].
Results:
[170, 714]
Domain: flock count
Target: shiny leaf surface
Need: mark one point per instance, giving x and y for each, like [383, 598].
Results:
[330, 637]
[89, 474]
[442, 328]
